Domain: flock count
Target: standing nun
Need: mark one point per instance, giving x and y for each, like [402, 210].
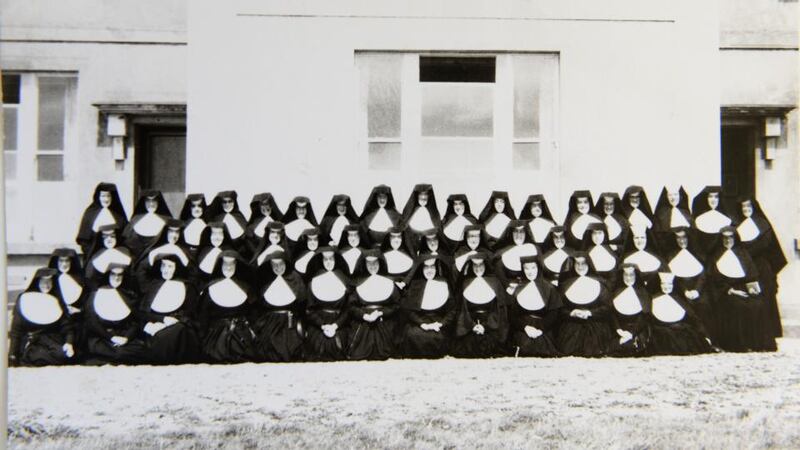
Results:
[710, 216]
[104, 251]
[672, 211]
[641, 250]
[279, 310]
[374, 303]
[105, 209]
[41, 331]
[398, 253]
[112, 322]
[213, 241]
[475, 241]
[263, 211]
[429, 306]
[604, 258]
[631, 308]
[195, 219]
[169, 314]
[339, 214]
[457, 217]
[579, 216]
[350, 246]
[149, 217]
[609, 208]
[307, 246]
[539, 216]
[327, 312]
[298, 218]
[496, 215]
[555, 253]
[379, 214]
[636, 208]
[515, 242]
[675, 330]
[482, 319]
[534, 313]
[225, 208]
[69, 279]
[420, 212]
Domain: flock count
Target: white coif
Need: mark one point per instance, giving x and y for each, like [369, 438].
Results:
[109, 305]
[328, 287]
[39, 308]
[169, 298]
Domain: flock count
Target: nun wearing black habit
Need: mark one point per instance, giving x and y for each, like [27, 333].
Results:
[327, 312]
[475, 241]
[630, 304]
[339, 214]
[420, 213]
[481, 327]
[298, 218]
[70, 280]
[398, 253]
[642, 251]
[604, 259]
[539, 217]
[534, 312]
[275, 241]
[579, 216]
[307, 246]
[636, 208]
[213, 241]
[554, 254]
[496, 215]
[374, 303]
[194, 217]
[149, 217]
[711, 214]
[672, 211]
[351, 246]
[379, 214]
[457, 216]
[429, 307]
[433, 242]
[41, 331]
[263, 211]
[279, 310]
[224, 208]
[609, 209]
[105, 209]
[169, 316]
[674, 328]
[105, 249]
[515, 242]
[113, 322]
[169, 242]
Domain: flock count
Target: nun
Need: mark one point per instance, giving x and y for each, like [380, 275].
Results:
[420, 213]
[586, 323]
[224, 208]
[307, 246]
[263, 211]
[41, 331]
[674, 329]
[740, 306]
[226, 306]
[457, 217]
[339, 214]
[475, 241]
[379, 214]
[213, 241]
[604, 258]
[279, 310]
[710, 216]
[641, 250]
[482, 319]
[105, 209]
[631, 308]
[69, 279]
[429, 306]
[169, 242]
[636, 208]
[149, 217]
[539, 217]
[534, 313]
[672, 211]
[112, 322]
[327, 312]
[350, 246]
[496, 215]
[398, 253]
[758, 237]
[298, 218]
[276, 241]
[579, 216]
[168, 313]
[195, 219]
[104, 251]
[515, 242]
[555, 253]
[433, 242]
[374, 303]
[609, 209]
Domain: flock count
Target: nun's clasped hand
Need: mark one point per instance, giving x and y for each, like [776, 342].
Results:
[329, 330]
[533, 332]
[478, 329]
[68, 350]
[581, 313]
[624, 336]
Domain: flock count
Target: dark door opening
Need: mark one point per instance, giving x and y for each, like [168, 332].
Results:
[161, 163]
[738, 148]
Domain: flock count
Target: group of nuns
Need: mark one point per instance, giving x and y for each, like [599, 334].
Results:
[615, 278]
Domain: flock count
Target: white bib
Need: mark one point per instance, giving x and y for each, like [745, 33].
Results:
[169, 298]
[328, 287]
[539, 228]
[227, 293]
[479, 292]
[614, 228]
[381, 221]
[336, 229]
[530, 298]
[627, 302]
[108, 256]
[351, 257]
[70, 289]
[104, 217]
[149, 225]
[497, 224]
[646, 262]
[421, 219]
[296, 227]
[192, 232]
[279, 293]
[602, 259]
[261, 228]
[397, 262]
[555, 260]
[667, 310]
[639, 219]
[454, 230]
[302, 262]
[268, 251]
[376, 288]
[109, 305]
[40, 308]
[207, 264]
[234, 229]
[578, 227]
[511, 256]
[168, 249]
[730, 266]
[676, 219]
[712, 221]
[463, 259]
[747, 230]
[685, 265]
[584, 290]
[435, 295]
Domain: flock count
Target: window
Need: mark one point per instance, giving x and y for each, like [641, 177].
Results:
[11, 90]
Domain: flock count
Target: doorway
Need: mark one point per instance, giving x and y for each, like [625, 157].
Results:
[738, 147]
[161, 163]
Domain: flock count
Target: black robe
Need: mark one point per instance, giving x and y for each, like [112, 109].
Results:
[86, 229]
[585, 337]
[493, 315]
[373, 340]
[416, 342]
[690, 275]
[631, 309]
[319, 347]
[278, 318]
[113, 312]
[37, 339]
[673, 334]
[537, 304]
[226, 307]
[177, 343]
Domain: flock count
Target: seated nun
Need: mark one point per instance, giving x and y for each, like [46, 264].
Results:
[674, 329]
[374, 302]
[515, 242]
[379, 214]
[420, 212]
[672, 211]
[169, 242]
[609, 209]
[339, 214]
[149, 217]
[105, 209]
[195, 219]
[279, 310]
[496, 215]
[631, 313]
[70, 281]
[104, 251]
[555, 254]
[604, 258]
[475, 241]
[307, 246]
[41, 331]
[213, 241]
[298, 218]
[539, 217]
[586, 325]
[224, 208]
[398, 253]
[457, 217]
[433, 242]
[169, 314]
[641, 250]
[579, 216]
[275, 241]
[263, 211]
[327, 312]
[429, 306]
[351, 246]
[534, 313]
[710, 216]
[636, 208]
[482, 319]
[112, 322]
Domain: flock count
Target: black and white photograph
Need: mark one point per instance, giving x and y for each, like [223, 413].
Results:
[438, 224]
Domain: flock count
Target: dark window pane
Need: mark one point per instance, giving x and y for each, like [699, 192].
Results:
[52, 109]
[10, 128]
[384, 155]
[526, 156]
[457, 69]
[50, 167]
[10, 164]
[11, 89]
[168, 163]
